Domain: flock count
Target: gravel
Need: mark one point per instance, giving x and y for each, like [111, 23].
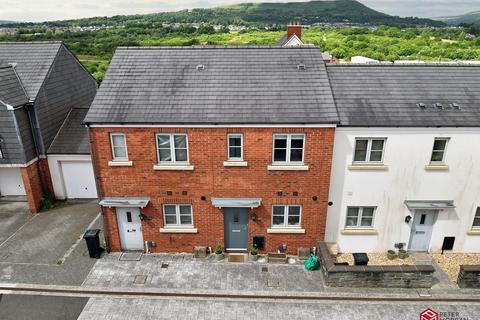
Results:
[376, 259]
[451, 262]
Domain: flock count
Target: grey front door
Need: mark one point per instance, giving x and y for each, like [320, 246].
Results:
[422, 228]
[236, 228]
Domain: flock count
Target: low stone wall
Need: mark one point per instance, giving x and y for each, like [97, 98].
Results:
[469, 277]
[413, 276]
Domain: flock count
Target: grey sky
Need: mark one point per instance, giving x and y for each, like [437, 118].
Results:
[41, 10]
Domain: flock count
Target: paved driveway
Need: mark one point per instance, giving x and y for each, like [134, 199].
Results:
[46, 247]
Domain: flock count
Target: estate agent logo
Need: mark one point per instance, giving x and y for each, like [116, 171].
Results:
[429, 314]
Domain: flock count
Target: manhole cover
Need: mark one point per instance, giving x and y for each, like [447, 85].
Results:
[264, 269]
[140, 279]
[273, 283]
[164, 265]
[236, 258]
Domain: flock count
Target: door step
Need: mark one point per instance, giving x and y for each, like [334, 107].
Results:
[237, 257]
[277, 258]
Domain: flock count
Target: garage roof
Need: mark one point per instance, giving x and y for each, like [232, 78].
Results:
[72, 138]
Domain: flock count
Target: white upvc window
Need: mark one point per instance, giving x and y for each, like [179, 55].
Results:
[286, 216]
[119, 147]
[177, 215]
[1, 153]
[439, 150]
[369, 150]
[172, 148]
[476, 219]
[288, 148]
[360, 217]
[235, 146]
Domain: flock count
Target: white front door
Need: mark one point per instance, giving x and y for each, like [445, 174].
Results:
[130, 228]
[11, 182]
[79, 179]
[422, 228]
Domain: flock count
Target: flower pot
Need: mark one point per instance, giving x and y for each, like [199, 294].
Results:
[253, 257]
[402, 254]
[391, 255]
[219, 256]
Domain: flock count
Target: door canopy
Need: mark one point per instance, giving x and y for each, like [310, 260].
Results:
[236, 202]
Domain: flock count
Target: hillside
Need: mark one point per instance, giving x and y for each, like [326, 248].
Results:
[471, 17]
[262, 13]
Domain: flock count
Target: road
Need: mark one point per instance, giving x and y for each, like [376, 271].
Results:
[68, 307]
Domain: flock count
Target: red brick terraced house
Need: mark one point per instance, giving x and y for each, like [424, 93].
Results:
[199, 146]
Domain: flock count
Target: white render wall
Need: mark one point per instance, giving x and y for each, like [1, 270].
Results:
[407, 152]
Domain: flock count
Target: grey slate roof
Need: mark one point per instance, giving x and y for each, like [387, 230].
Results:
[282, 40]
[33, 61]
[240, 85]
[11, 89]
[72, 138]
[387, 95]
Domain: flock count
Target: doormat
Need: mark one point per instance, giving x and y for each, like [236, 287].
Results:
[236, 258]
[131, 256]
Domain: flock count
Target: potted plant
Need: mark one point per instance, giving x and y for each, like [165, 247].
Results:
[402, 254]
[254, 253]
[391, 255]
[218, 252]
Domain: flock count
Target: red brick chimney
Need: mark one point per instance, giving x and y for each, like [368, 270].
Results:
[294, 29]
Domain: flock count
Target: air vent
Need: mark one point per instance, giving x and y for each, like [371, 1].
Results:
[438, 106]
[301, 66]
[421, 106]
[200, 67]
[455, 106]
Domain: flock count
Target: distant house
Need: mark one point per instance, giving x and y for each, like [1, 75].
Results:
[200, 146]
[39, 85]
[406, 158]
[293, 37]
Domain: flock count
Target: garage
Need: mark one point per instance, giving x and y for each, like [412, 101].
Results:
[11, 183]
[69, 160]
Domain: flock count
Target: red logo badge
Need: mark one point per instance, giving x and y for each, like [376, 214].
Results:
[429, 314]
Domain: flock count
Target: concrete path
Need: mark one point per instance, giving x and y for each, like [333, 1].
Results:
[165, 308]
[47, 248]
[184, 272]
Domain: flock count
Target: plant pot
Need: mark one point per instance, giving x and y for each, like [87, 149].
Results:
[391, 255]
[253, 257]
[219, 256]
[402, 254]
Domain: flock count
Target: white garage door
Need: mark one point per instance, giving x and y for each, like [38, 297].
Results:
[78, 179]
[11, 183]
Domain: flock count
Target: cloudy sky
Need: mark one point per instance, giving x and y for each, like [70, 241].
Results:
[41, 10]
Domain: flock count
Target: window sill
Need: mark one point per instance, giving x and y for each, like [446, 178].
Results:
[286, 230]
[232, 163]
[287, 167]
[181, 167]
[436, 167]
[178, 230]
[474, 232]
[373, 167]
[366, 232]
[120, 163]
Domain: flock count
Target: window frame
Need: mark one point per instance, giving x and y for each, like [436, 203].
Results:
[285, 217]
[369, 150]
[477, 211]
[177, 216]
[288, 149]
[172, 148]
[241, 146]
[359, 217]
[447, 140]
[1, 152]
[114, 157]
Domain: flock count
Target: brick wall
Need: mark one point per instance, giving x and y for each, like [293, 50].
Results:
[37, 181]
[207, 151]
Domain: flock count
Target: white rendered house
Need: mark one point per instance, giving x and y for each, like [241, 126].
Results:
[406, 164]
